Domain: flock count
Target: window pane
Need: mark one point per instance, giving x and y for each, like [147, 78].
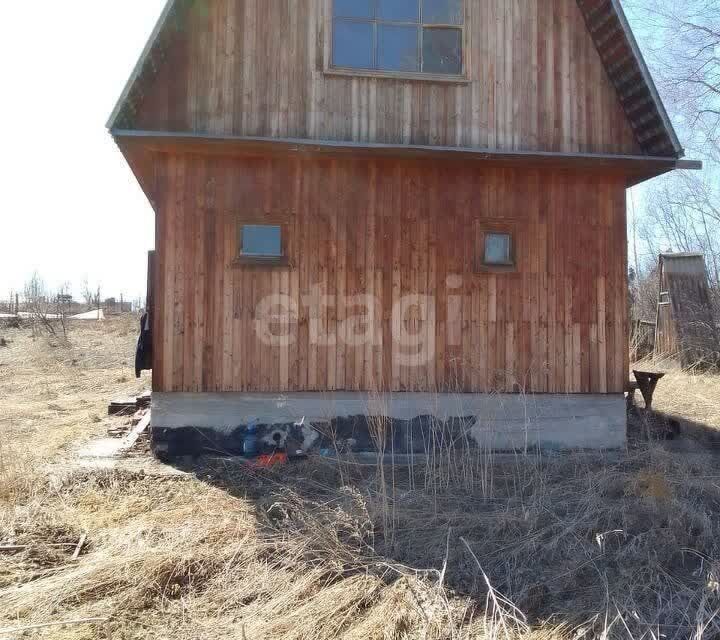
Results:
[443, 11]
[442, 51]
[261, 240]
[399, 10]
[354, 8]
[398, 48]
[497, 248]
[353, 44]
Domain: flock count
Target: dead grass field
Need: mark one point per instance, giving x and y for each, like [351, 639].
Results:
[565, 546]
[54, 393]
[693, 397]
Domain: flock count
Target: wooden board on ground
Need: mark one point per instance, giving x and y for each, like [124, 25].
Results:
[128, 406]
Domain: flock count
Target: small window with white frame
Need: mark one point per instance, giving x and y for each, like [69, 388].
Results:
[498, 250]
[401, 36]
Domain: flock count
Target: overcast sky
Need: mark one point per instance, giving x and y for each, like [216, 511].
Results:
[71, 208]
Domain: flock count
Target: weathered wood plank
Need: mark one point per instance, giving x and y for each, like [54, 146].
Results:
[556, 323]
[535, 81]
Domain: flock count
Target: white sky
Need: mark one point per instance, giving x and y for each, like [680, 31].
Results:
[70, 207]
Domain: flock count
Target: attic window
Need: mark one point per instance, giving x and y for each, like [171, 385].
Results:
[405, 36]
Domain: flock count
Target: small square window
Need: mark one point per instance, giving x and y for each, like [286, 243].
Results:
[498, 249]
[260, 241]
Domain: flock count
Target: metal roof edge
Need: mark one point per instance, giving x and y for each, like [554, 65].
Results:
[690, 165]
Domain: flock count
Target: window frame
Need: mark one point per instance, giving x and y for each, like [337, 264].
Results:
[243, 259]
[509, 228]
[328, 22]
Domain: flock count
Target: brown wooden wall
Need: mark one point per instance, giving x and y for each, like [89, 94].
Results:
[685, 323]
[389, 228]
[536, 82]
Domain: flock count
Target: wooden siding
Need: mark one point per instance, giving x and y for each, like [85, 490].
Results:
[390, 228]
[685, 323]
[666, 332]
[535, 82]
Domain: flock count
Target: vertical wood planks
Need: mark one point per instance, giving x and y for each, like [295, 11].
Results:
[535, 82]
[388, 229]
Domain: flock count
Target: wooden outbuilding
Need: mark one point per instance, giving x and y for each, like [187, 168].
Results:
[401, 208]
[686, 326]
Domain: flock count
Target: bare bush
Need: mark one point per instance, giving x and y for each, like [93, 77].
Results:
[46, 312]
[91, 296]
[14, 322]
[644, 294]
[681, 212]
[683, 44]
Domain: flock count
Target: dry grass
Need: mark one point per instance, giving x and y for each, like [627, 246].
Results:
[54, 393]
[556, 547]
[692, 395]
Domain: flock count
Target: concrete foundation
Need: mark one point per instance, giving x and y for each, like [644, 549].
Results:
[187, 423]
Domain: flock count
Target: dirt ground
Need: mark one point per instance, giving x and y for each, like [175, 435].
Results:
[555, 546]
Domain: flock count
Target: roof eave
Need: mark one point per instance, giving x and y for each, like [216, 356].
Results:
[638, 168]
[680, 256]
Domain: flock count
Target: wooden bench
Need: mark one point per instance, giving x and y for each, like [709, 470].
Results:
[646, 382]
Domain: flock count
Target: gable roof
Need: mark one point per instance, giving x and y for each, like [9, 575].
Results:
[631, 77]
[149, 58]
[606, 22]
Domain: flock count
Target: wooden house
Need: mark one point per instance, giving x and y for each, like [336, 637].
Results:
[686, 327]
[393, 207]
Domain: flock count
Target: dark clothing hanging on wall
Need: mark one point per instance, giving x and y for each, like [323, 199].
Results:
[143, 354]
